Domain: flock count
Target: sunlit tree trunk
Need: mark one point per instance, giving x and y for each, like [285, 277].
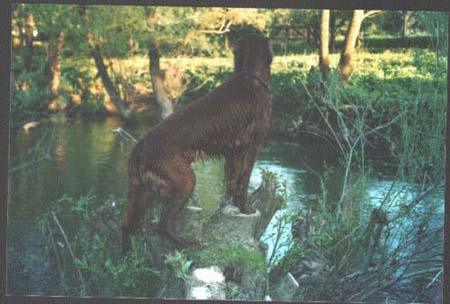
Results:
[226, 42]
[156, 75]
[353, 32]
[54, 55]
[345, 62]
[324, 56]
[157, 78]
[407, 18]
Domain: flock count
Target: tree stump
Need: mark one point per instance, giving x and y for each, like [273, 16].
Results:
[231, 226]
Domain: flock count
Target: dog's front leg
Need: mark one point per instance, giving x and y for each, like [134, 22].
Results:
[238, 169]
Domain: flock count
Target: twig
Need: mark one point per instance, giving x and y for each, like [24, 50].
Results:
[434, 279]
[280, 227]
[224, 28]
[83, 283]
[323, 117]
[199, 86]
[52, 239]
[125, 134]
[31, 162]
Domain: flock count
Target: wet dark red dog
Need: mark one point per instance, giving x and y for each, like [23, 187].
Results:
[232, 121]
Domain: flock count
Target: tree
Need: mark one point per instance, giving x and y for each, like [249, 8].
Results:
[157, 78]
[354, 28]
[324, 56]
[50, 24]
[338, 20]
[156, 75]
[95, 51]
[407, 22]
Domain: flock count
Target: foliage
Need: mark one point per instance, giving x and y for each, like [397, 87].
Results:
[179, 263]
[228, 257]
[183, 32]
[372, 251]
[28, 90]
[104, 270]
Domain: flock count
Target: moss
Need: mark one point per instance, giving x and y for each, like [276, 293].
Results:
[227, 256]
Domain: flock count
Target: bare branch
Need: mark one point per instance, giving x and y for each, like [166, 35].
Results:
[224, 28]
[372, 13]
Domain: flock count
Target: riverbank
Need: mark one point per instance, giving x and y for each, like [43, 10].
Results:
[387, 80]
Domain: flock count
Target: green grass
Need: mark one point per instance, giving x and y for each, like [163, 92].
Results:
[227, 256]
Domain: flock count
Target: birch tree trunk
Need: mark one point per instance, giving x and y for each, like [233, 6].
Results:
[324, 54]
[54, 55]
[157, 78]
[345, 62]
[407, 18]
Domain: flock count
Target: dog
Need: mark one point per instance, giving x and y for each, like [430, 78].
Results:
[231, 122]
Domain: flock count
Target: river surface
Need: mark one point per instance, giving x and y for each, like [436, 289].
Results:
[86, 155]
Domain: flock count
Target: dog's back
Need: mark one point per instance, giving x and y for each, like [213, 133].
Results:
[212, 124]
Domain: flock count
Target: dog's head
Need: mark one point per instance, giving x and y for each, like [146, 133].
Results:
[252, 51]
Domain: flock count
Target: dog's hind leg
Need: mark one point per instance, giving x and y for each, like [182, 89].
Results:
[139, 199]
[181, 179]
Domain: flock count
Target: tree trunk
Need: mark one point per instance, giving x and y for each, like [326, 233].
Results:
[120, 104]
[226, 42]
[157, 78]
[29, 27]
[156, 75]
[360, 39]
[345, 62]
[407, 23]
[54, 55]
[286, 39]
[324, 56]
[332, 33]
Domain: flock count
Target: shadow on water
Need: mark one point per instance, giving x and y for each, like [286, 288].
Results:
[87, 155]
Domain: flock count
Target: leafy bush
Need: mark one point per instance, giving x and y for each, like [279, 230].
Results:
[102, 269]
[179, 263]
[30, 93]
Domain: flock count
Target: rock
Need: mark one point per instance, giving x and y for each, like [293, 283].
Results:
[229, 225]
[206, 283]
[286, 288]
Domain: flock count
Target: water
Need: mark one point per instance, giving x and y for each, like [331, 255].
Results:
[86, 155]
